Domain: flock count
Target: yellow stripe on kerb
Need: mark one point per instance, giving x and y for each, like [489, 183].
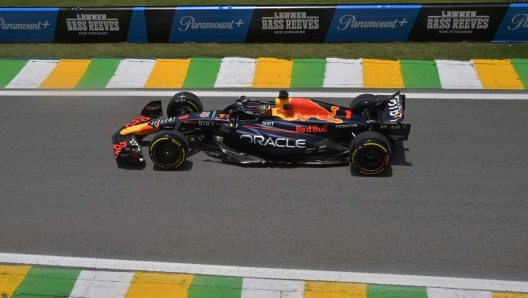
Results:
[168, 73]
[508, 295]
[10, 278]
[66, 74]
[145, 285]
[334, 290]
[272, 73]
[382, 74]
[497, 74]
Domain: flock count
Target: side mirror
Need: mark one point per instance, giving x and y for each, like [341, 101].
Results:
[233, 120]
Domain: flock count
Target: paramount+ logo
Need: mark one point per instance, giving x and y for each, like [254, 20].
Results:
[519, 21]
[311, 129]
[23, 26]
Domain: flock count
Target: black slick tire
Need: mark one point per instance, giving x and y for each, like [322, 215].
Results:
[370, 153]
[184, 102]
[363, 102]
[169, 149]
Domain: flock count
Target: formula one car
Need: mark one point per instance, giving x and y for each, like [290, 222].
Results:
[284, 130]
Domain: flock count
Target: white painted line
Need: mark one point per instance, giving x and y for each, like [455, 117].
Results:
[33, 74]
[458, 75]
[262, 94]
[268, 273]
[236, 72]
[450, 293]
[132, 73]
[97, 284]
[343, 73]
[269, 288]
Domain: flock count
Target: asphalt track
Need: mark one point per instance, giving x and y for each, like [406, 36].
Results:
[453, 204]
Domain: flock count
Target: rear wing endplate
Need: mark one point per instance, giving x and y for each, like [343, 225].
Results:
[393, 109]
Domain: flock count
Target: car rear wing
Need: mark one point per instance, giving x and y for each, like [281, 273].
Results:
[393, 109]
[392, 113]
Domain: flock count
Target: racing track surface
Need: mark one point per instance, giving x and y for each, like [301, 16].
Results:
[454, 204]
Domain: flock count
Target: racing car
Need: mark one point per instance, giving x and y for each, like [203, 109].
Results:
[292, 130]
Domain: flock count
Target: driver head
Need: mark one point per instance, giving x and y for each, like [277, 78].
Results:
[264, 109]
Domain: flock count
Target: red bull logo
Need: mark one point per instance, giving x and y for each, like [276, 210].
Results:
[118, 148]
[304, 109]
[311, 128]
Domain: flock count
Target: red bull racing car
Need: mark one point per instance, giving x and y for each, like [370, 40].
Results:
[284, 130]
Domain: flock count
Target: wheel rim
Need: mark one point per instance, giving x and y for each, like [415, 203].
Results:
[185, 109]
[167, 154]
[370, 159]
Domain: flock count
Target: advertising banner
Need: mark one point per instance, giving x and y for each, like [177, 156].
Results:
[514, 27]
[372, 23]
[97, 25]
[27, 24]
[211, 24]
[137, 31]
[159, 23]
[482, 22]
[290, 24]
[458, 22]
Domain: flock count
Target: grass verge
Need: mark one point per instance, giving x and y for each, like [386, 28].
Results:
[451, 51]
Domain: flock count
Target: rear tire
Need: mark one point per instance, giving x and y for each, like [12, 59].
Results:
[183, 103]
[169, 149]
[364, 102]
[370, 153]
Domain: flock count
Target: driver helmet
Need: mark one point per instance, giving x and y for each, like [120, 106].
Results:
[264, 109]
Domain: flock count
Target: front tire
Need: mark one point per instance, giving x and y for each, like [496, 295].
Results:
[370, 153]
[169, 149]
[183, 103]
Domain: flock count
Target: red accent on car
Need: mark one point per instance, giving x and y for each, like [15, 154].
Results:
[138, 120]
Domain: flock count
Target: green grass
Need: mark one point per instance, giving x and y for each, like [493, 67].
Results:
[420, 51]
[455, 51]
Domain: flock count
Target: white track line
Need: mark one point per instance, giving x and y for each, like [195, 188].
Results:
[268, 273]
[236, 72]
[132, 73]
[450, 293]
[33, 74]
[343, 73]
[96, 284]
[269, 288]
[261, 94]
[458, 75]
